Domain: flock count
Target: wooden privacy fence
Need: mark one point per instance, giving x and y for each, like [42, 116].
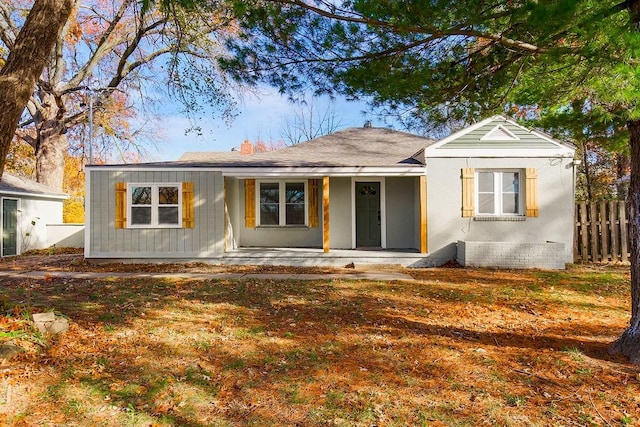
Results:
[601, 232]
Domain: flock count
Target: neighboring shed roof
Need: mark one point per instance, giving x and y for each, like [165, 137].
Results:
[16, 185]
[352, 147]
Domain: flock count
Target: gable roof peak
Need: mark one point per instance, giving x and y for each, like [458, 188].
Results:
[499, 133]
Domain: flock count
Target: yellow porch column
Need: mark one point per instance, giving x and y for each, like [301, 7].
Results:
[325, 214]
[423, 215]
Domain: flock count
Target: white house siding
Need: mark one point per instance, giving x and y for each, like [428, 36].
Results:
[41, 211]
[401, 201]
[205, 240]
[444, 198]
[340, 209]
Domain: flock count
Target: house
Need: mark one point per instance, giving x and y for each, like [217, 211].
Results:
[493, 194]
[27, 208]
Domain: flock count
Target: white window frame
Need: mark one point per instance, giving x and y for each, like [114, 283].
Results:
[154, 204]
[497, 192]
[282, 202]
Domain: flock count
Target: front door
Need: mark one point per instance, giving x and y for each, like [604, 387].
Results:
[368, 215]
[9, 227]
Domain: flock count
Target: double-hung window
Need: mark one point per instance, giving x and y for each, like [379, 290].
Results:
[282, 203]
[498, 192]
[154, 205]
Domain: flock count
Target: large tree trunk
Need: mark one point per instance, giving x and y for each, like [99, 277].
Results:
[50, 160]
[25, 63]
[51, 142]
[629, 343]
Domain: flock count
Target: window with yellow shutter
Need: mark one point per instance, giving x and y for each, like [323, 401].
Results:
[155, 205]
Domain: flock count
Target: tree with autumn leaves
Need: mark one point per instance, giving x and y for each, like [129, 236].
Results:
[110, 55]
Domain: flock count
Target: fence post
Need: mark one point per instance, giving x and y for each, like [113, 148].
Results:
[604, 232]
[624, 234]
[593, 226]
[614, 226]
[584, 233]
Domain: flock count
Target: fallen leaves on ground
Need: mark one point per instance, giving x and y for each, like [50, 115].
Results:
[454, 347]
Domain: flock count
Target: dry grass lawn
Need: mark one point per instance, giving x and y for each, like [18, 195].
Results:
[455, 347]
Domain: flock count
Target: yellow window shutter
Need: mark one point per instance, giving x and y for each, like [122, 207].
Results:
[468, 190]
[313, 202]
[188, 210]
[249, 203]
[531, 191]
[121, 204]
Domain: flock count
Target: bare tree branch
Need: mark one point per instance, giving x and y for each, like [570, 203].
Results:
[8, 31]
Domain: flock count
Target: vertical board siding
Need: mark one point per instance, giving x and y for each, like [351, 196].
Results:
[601, 232]
[204, 239]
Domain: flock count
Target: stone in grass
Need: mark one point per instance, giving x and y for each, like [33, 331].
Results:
[50, 323]
[8, 351]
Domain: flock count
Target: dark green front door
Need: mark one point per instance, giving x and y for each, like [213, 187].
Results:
[368, 215]
[9, 227]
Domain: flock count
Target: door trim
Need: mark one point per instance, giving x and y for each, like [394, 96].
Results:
[383, 208]
[18, 240]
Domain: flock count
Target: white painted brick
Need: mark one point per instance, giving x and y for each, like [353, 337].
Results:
[547, 255]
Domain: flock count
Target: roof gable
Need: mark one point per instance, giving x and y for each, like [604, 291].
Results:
[499, 136]
[499, 133]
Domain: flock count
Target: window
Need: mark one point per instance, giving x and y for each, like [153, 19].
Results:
[155, 205]
[498, 193]
[282, 203]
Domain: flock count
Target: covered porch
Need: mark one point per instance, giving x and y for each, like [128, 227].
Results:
[339, 214]
[316, 257]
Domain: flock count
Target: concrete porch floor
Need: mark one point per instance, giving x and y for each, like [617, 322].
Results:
[302, 257]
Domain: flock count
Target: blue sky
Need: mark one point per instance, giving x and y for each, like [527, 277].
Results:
[262, 117]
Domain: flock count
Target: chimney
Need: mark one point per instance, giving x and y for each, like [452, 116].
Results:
[246, 148]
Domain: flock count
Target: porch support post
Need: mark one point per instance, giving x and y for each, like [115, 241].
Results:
[226, 213]
[325, 214]
[423, 214]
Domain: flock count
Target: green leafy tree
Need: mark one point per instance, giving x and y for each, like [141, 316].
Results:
[601, 146]
[468, 59]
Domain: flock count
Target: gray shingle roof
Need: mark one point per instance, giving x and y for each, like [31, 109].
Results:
[353, 147]
[197, 156]
[10, 183]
